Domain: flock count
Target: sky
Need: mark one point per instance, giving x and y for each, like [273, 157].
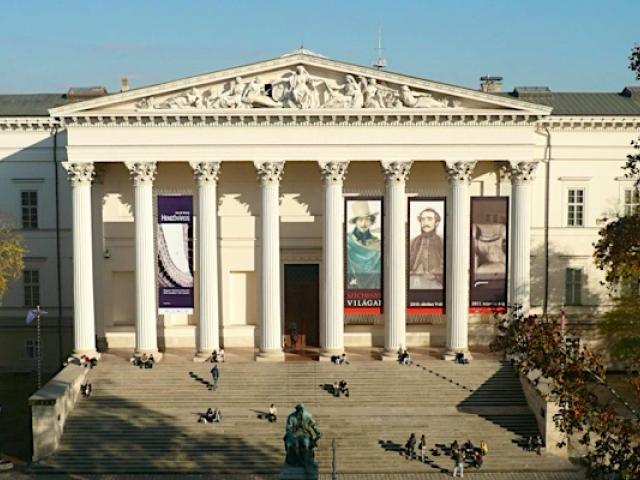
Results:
[567, 45]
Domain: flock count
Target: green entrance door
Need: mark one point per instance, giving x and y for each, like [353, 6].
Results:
[301, 303]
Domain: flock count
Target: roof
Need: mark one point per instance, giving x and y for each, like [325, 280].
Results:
[33, 105]
[626, 102]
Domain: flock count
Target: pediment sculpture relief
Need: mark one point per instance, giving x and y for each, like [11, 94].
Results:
[299, 89]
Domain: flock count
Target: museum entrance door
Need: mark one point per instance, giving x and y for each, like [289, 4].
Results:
[301, 305]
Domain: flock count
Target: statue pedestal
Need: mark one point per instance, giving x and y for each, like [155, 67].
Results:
[289, 472]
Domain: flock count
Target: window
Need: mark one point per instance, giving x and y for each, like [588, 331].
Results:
[575, 207]
[32, 348]
[31, 288]
[29, 201]
[573, 286]
[631, 201]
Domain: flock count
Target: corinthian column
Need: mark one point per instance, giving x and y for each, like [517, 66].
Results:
[269, 176]
[206, 175]
[332, 315]
[458, 229]
[143, 175]
[521, 175]
[395, 279]
[84, 337]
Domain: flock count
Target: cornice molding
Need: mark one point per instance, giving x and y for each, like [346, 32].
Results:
[29, 124]
[304, 118]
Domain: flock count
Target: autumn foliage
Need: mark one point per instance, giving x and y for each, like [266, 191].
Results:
[11, 254]
[572, 375]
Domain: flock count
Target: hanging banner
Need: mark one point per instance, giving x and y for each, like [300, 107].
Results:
[426, 251]
[363, 254]
[489, 240]
[175, 253]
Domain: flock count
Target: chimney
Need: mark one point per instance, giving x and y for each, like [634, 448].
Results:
[124, 84]
[490, 84]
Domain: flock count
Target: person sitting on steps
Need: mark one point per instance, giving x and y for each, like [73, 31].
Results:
[221, 355]
[460, 358]
[339, 359]
[343, 388]
[214, 357]
[272, 416]
[85, 390]
[403, 357]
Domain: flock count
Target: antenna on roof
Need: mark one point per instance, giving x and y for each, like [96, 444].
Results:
[380, 62]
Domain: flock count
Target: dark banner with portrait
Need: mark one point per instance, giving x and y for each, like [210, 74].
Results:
[363, 254]
[489, 240]
[426, 253]
[175, 253]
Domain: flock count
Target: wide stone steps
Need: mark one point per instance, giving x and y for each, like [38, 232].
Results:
[145, 421]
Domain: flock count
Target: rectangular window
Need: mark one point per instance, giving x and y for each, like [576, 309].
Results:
[573, 286]
[575, 207]
[631, 201]
[31, 288]
[29, 202]
[32, 348]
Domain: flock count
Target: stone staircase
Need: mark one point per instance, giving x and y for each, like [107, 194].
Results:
[145, 421]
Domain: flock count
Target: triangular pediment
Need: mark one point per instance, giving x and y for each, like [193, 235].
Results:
[298, 82]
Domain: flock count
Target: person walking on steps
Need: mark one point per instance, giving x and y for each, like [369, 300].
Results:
[410, 447]
[458, 462]
[215, 376]
[422, 446]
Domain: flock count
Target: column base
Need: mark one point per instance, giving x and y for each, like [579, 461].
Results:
[201, 357]
[451, 354]
[325, 355]
[389, 355]
[270, 356]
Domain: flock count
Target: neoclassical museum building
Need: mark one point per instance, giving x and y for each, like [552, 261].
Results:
[303, 200]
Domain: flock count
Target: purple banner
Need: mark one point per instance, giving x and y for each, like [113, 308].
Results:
[175, 253]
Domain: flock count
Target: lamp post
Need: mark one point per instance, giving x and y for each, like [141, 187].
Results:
[35, 314]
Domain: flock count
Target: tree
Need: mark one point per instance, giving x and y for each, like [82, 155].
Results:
[617, 253]
[11, 255]
[573, 377]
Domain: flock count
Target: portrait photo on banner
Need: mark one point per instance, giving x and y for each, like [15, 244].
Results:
[489, 240]
[363, 252]
[426, 252]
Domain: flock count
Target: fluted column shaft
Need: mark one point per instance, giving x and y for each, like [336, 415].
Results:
[395, 280]
[269, 175]
[206, 174]
[458, 227]
[522, 174]
[84, 337]
[332, 306]
[143, 175]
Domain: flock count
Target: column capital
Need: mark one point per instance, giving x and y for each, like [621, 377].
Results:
[269, 173]
[142, 173]
[396, 172]
[206, 172]
[79, 173]
[333, 172]
[523, 172]
[460, 171]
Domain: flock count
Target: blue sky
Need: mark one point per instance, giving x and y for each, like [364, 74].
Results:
[581, 45]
